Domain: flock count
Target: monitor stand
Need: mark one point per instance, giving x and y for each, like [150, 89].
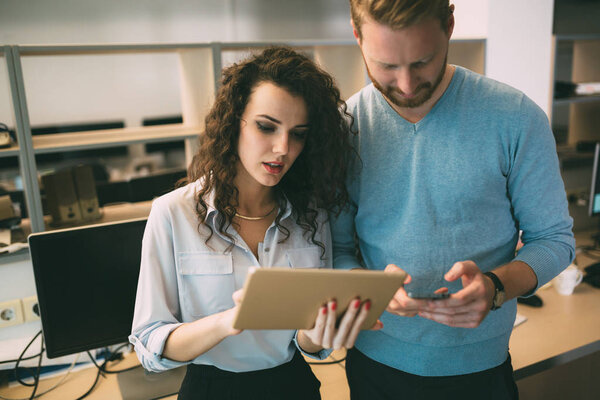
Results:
[139, 384]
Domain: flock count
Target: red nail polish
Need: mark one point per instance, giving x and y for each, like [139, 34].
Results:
[333, 306]
[324, 310]
[368, 305]
[356, 303]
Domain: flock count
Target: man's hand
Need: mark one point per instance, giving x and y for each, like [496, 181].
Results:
[401, 304]
[468, 307]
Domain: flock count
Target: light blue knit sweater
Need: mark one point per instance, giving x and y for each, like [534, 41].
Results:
[457, 185]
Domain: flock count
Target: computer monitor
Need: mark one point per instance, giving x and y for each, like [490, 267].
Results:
[86, 281]
[164, 146]
[144, 188]
[594, 208]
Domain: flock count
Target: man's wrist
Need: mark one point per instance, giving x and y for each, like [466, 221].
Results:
[498, 290]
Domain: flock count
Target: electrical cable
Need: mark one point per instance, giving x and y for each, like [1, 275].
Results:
[164, 395]
[22, 359]
[326, 362]
[64, 377]
[16, 369]
[37, 372]
[95, 381]
[102, 369]
[113, 356]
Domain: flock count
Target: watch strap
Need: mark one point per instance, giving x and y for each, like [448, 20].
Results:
[498, 286]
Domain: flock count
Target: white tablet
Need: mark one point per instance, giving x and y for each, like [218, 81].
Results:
[288, 298]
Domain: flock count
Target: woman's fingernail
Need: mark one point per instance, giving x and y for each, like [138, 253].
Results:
[323, 310]
[368, 305]
[333, 306]
[356, 303]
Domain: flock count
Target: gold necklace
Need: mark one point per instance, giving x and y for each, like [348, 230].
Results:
[254, 218]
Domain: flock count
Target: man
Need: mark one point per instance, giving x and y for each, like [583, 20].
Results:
[452, 166]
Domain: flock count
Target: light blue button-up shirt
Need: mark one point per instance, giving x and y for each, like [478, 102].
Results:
[183, 279]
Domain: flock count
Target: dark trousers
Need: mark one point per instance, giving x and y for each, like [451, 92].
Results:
[293, 380]
[370, 380]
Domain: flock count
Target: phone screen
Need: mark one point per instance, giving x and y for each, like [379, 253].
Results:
[428, 296]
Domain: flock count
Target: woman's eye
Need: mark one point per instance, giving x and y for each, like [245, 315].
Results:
[300, 135]
[264, 128]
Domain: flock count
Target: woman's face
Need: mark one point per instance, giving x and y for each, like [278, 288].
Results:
[273, 131]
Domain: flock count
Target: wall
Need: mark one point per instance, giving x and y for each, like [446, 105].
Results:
[122, 85]
[519, 47]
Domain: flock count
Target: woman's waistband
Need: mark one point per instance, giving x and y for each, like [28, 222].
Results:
[210, 371]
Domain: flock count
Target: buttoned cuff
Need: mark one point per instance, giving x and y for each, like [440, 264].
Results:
[150, 355]
[321, 355]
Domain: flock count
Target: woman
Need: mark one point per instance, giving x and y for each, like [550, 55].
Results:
[269, 168]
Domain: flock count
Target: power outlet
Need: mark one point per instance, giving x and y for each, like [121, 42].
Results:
[11, 313]
[31, 309]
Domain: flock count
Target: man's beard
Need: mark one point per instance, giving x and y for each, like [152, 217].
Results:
[423, 92]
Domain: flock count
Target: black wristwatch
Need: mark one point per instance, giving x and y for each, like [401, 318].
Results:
[499, 291]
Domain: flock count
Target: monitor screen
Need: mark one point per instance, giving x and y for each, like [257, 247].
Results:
[86, 281]
[148, 187]
[595, 188]
[79, 127]
[164, 146]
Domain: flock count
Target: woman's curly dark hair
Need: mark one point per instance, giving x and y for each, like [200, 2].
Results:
[318, 176]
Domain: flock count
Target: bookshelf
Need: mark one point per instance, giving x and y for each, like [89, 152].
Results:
[199, 68]
[575, 118]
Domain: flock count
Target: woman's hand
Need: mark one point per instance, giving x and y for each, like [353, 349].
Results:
[325, 334]
[183, 344]
[228, 316]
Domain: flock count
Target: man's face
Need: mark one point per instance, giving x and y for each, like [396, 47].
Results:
[408, 64]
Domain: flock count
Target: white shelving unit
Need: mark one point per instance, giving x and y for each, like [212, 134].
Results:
[576, 118]
[199, 70]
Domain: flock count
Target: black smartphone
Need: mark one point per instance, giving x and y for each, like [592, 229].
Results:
[427, 296]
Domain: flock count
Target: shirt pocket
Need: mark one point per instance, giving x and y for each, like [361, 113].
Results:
[206, 283]
[307, 257]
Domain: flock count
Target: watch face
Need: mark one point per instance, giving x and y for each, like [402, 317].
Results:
[498, 298]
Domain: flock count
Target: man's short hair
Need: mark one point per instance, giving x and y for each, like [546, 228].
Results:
[398, 14]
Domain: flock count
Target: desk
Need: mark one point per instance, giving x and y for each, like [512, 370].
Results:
[564, 329]
[333, 382]
[556, 352]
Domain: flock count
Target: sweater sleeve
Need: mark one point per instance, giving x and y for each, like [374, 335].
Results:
[343, 233]
[538, 196]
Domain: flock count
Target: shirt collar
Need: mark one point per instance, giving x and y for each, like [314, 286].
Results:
[211, 211]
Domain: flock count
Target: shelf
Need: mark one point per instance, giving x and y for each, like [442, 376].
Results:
[573, 38]
[59, 142]
[11, 151]
[110, 213]
[568, 151]
[571, 158]
[577, 99]
[200, 67]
